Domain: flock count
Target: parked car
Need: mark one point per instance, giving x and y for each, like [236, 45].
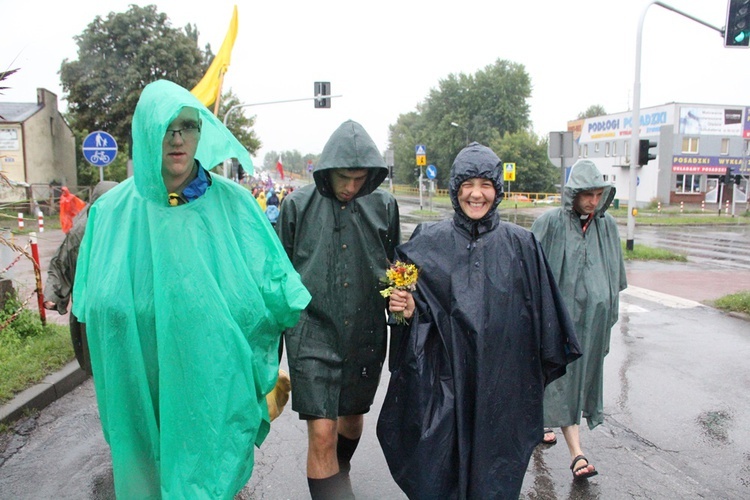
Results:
[551, 198]
[518, 197]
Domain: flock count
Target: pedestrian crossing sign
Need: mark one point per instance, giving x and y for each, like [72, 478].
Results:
[509, 171]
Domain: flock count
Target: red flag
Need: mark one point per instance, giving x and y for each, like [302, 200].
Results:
[280, 168]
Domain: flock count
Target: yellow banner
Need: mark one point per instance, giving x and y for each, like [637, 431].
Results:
[207, 90]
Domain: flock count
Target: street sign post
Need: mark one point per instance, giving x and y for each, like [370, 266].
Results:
[99, 149]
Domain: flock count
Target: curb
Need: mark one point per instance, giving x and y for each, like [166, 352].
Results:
[47, 391]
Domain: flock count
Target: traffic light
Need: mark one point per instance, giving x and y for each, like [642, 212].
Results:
[737, 179]
[324, 88]
[644, 145]
[737, 30]
[728, 179]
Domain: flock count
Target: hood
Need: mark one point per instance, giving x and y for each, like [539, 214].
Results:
[350, 146]
[101, 188]
[476, 161]
[159, 104]
[584, 176]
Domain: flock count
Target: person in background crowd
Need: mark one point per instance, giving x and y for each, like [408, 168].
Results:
[61, 276]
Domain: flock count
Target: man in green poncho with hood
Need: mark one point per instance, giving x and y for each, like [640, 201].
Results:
[583, 249]
[184, 290]
[340, 234]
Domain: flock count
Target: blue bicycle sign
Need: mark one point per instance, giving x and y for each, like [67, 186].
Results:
[99, 148]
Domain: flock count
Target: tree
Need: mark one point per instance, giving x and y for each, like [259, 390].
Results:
[117, 57]
[293, 161]
[485, 106]
[534, 172]
[592, 111]
[239, 124]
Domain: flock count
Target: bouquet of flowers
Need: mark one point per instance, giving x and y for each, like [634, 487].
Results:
[400, 276]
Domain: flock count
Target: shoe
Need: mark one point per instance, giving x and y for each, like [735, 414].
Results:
[584, 475]
[278, 397]
[549, 442]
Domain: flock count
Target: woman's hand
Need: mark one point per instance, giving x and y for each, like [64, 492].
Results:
[402, 301]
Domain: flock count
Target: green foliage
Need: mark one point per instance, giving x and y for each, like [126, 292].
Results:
[117, 57]
[592, 111]
[29, 351]
[292, 161]
[485, 106]
[239, 124]
[534, 172]
[736, 302]
[25, 325]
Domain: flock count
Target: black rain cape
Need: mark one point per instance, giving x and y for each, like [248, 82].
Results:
[463, 410]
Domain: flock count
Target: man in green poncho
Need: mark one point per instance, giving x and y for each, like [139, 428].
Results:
[340, 234]
[583, 248]
[184, 290]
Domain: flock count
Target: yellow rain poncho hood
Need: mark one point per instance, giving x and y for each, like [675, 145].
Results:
[184, 307]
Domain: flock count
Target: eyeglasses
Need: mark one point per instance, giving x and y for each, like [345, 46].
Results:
[191, 131]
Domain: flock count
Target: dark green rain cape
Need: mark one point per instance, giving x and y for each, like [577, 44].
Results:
[463, 410]
[590, 272]
[184, 307]
[341, 250]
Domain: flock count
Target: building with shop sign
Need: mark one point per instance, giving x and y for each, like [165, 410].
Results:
[37, 147]
[697, 146]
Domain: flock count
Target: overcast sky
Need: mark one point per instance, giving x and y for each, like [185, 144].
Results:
[385, 56]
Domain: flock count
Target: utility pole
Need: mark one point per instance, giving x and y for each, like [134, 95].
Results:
[636, 125]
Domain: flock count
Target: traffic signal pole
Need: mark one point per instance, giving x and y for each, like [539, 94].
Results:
[636, 123]
[227, 172]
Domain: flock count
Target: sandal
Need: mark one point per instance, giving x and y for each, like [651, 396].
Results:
[549, 442]
[584, 475]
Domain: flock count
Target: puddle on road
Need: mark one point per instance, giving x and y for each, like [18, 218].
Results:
[713, 426]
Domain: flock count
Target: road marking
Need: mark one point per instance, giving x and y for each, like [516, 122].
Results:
[661, 298]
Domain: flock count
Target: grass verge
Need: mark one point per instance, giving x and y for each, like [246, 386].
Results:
[736, 302]
[29, 351]
[642, 252]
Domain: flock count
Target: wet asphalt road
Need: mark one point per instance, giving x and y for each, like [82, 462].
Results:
[676, 405]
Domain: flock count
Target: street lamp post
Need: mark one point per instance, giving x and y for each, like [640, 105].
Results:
[454, 124]
[238, 106]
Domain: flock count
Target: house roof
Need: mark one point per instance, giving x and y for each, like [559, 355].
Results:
[11, 112]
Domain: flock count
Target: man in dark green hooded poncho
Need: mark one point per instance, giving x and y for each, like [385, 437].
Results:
[184, 290]
[340, 234]
[582, 245]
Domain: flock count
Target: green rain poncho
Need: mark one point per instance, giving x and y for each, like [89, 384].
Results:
[590, 273]
[184, 307]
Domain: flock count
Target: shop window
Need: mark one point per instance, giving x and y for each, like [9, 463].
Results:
[690, 145]
[687, 183]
